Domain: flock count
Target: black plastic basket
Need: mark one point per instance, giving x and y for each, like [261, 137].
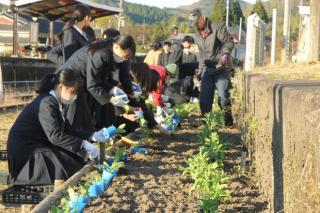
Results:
[26, 194]
[3, 155]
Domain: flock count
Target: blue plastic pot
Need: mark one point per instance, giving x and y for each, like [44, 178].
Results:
[115, 173]
[107, 176]
[139, 150]
[110, 161]
[109, 132]
[76, 207]
[139, 114]
[80, 199]
[93, 191]
[176, 118]
[101, 186]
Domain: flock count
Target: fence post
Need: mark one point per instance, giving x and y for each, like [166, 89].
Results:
[1, 85]
[255, 42]
[274, 36]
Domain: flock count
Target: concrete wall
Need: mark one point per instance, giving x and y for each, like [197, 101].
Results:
[285, 147]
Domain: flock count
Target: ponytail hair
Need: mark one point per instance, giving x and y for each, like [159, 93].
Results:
[79, 13]
[66, 77]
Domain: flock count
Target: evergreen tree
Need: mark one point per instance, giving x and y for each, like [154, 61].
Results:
[218, 12]
[260, 10]
[236, 13]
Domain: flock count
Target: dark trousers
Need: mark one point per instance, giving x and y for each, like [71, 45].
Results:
[210, 82]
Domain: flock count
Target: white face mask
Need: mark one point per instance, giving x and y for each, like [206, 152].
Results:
[186, 51]
[66, 98]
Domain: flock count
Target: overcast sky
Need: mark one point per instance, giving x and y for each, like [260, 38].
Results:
[170, 3]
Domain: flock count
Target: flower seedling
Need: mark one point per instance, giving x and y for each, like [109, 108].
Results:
[114, 167]
[121, 154]
[121, 130]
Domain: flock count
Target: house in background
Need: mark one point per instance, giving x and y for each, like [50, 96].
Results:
[6, 33]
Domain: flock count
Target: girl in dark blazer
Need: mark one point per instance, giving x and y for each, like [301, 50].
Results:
[55, 55]
[41, 146]
[73, 35]
[96, 64]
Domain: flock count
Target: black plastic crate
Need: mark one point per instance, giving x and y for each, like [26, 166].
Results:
[26, 194]
[3, 155]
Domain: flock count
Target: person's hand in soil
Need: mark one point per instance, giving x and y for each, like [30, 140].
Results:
[130, 117]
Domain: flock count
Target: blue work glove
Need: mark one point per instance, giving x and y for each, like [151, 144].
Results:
[91, 149]
[139, 113]
[119, 97]
[136, 89]
[104, 134]
[139, 150]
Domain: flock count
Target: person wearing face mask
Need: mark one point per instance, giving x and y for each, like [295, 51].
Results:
[188, 56]
[215, 63]
[73, 35]
[42, 147]
[189, 59]
[96, 64]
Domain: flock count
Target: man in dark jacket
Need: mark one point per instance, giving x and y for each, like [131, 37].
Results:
[215, 46]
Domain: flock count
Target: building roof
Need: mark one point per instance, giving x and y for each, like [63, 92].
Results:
[60, 9]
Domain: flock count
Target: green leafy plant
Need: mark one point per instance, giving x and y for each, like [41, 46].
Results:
[114, 167]
[142, 122]
[206, 167]
[121, 153]
[62, 208]
[121, 130]
[184, 110]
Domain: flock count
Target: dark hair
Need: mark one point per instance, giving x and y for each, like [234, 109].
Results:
[167, 43]
[157, 46]
[111, 33]
[79, 13]
[188, 39]
[66, 77]
[90, 33]
[145, 77]
[126, 42]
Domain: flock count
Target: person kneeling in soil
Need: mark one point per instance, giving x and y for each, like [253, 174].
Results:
[180, 91]
[41, 145]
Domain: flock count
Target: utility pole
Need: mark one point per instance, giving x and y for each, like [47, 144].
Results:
[14, 11]
[314, 34]
[227, 15]
[143, 32]
[286, 33]
[120, 16]
[274, 36]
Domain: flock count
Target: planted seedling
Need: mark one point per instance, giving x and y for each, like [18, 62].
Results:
[121, 154]
[114, 167]
[142, 122]
[121, 130]
[63, 207]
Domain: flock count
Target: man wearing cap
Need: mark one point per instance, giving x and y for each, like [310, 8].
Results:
[215, 66]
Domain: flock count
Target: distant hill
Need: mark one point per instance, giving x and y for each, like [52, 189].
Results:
[206, 6]
[138, 12]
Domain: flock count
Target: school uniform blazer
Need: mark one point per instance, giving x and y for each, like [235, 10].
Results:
[72, 41]
[95, 69]
[55, 55]
[41, 127]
